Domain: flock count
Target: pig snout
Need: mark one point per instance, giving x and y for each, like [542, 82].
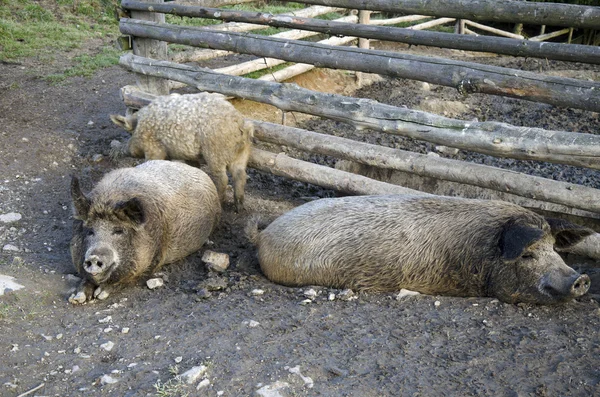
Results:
[562, 286]
[98, 260]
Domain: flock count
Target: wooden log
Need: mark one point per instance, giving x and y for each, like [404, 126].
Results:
[431, 24]
[364, 17]
[467, 77]
[547, 36]
[156, 49]
[393, 21]
[533, 187]
[496, 139]
[287, 73]
[470, 32]
[494, 30]
[533, 13]
[347, 182]
[558, 51]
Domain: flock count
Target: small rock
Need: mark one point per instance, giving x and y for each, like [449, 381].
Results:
[257, 292]
[178, 359]
[405, 292]
[107, 330]
[78, 298]
[90, 122]
[10, 217]
[251, 323]
[331, 296]
[310, 293]
[213, 283]
[107, 380]
[108, 346]
[450, 151]
[105, 320]
[193, 374]
[97, 158]
[306, 301]
[7, 284]
[433, 154]
[272, 390]
[437, 303]
[125, 330]
[347, 295]
[425, 86]
[155, 283]
[102, 295]
[203, 383]
[77, 350]
[59, 336]
[216, 261]
[10, 248]
[15, 348]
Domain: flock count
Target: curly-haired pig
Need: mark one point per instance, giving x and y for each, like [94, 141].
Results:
[137, 219]
[193, 127]
[430, 244]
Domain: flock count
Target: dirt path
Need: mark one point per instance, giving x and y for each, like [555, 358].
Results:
[370, 345]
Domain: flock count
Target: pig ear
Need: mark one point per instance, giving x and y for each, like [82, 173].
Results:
[567, 234]
[127, 123]
[81, 204]
[131, 210]
[516, 238]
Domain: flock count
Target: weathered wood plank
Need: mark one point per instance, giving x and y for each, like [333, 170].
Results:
[497, 139]
[500, 45]
[467, 77]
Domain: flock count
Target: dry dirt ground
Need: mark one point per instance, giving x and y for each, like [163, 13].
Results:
[374, 345]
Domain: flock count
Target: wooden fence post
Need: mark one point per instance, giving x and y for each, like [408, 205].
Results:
[150, 48]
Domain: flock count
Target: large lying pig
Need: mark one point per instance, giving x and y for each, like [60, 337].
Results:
[193, 127]
[434, 245]
[135, 220]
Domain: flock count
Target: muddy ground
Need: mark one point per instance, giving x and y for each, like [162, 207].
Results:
[374, 345]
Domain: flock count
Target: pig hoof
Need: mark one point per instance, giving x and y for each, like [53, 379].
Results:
[100, 294]
[78, 299]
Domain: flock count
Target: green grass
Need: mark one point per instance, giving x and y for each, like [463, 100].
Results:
[86, 65]
[40, 28]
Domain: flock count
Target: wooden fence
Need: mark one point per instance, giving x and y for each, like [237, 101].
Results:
[149, 60]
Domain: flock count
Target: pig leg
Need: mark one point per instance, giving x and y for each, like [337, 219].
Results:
[238, 175]
[219, 177]
[84, 293]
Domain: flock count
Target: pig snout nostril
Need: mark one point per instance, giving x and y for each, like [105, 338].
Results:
[581, 285]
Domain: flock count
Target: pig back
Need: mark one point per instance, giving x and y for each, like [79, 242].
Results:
[383, 243]
[180, 202]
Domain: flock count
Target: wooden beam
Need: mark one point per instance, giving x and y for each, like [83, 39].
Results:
[568, 194]
[493, 138]
[431, 24]
[494, 30]
[500, 45]
[534, 13]
[330, 178]
[547, 36]
[466, 77]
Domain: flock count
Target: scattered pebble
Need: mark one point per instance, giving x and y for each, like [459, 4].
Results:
[331, 296]
[155, 283]
[77, 350]
[125, 330]
[193, 374]
[15, 348]
[306, 301]
[406, 292]
[178, 359]
[310, 293]
[10, 248]
[59, 336]
[107, 380]
[251, 323]
[272, 390]
[108, 346]
[215, 260]
[308, 382]
[347, 295]
[107, 319]
[107, 330]
[203, 383]
[10, 217]
[437, 303]
[257, 292]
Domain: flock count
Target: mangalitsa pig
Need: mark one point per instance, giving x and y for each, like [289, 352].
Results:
[430, 244]
[137, 219]
[196, 127]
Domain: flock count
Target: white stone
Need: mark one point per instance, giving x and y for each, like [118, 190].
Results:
[7, 284]
[203, 383]
[59, 336]
[107, 319]
[10, 217]
[155, 283]
[215, 260]
[107, 380]
[108, 346]
[251, 323]
[308, 382]
[125, 330]
[257, 292]
[306, 301]
[178, 359]
[406, 292]
[310, 293]
[272, 390]
[331, 296]
[437, 303]
[193, 374]
[77, 350]
[102, 295]
[10, 248]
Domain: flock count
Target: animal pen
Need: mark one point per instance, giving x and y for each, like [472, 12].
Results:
[158, 75]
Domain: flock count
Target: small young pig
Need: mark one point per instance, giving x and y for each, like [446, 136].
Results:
[434, 245]
[193, 127]
[137, 219]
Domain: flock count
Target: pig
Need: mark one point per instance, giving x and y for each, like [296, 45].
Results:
[431, 244]
[195, 127]
[137, 219]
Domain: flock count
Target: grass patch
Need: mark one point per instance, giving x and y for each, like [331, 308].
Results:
[87, 65]
[40, 28]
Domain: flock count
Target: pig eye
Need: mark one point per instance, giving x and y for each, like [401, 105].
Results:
[118, 231]
[90, 232]
[528, 255]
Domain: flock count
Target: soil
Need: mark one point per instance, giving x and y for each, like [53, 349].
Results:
[366, 345]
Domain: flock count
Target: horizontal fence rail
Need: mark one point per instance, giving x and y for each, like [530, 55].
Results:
[551, 14]
[557, 51]
[493, 138]
[467, 77]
